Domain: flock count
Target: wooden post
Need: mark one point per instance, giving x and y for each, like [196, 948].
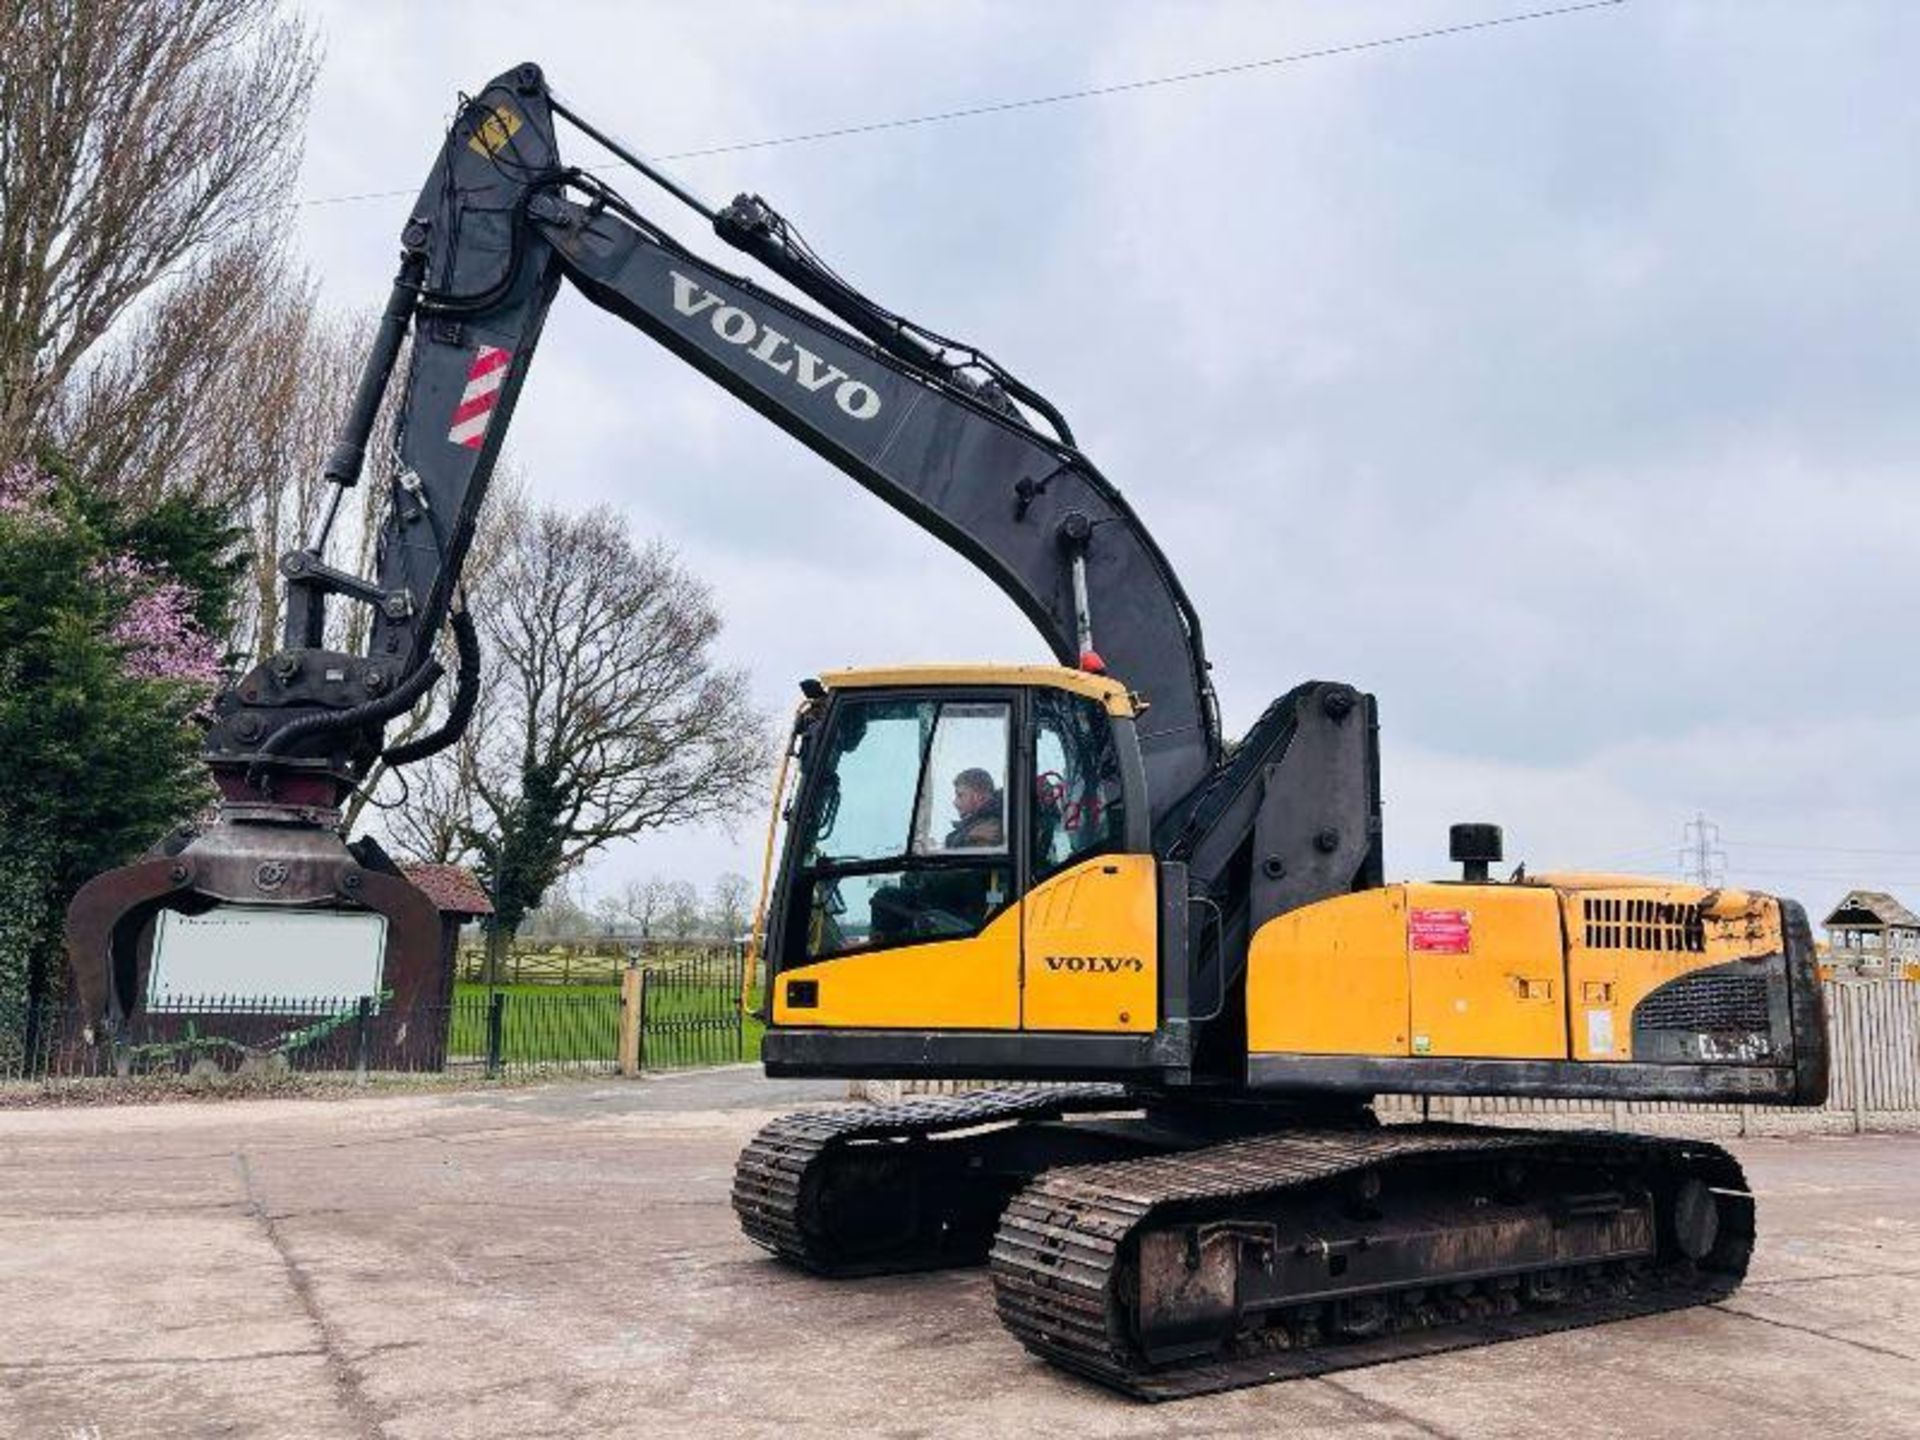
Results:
[1905, 1049]
[630, 982]
[1856, 1062]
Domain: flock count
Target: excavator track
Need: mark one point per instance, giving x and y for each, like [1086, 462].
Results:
[871, 1190]
[1310, 1250]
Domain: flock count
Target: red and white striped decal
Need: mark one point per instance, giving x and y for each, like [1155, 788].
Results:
[484, 378]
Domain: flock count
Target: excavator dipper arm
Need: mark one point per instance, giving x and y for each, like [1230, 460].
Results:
[501, 223]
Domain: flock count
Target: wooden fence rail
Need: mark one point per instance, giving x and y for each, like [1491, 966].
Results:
[584, 963]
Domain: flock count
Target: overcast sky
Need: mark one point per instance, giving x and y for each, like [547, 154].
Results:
[1555, 382]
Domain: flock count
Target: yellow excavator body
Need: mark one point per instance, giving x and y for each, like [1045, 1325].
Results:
[1414, 982]
[1078, 953]
[1543, 970]
[1550, 969]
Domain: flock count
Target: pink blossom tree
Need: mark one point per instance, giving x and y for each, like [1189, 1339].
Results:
[159, 636]
[106, 659]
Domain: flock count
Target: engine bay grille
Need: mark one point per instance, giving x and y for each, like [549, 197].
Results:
[1706, 1003]
[1616, 922]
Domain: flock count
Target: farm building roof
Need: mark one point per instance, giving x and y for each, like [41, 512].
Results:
[454, 889]
[1872, 907]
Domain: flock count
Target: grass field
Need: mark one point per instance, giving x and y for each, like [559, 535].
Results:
[472, 992]
[687, 1024]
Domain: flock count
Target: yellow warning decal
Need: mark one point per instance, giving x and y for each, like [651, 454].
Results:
[495, 131]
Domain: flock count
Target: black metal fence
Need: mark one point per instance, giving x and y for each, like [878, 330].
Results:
[690, 1013]
[493, 1035]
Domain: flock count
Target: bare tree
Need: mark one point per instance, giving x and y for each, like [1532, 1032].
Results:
[683, 920]
[605, 652]
[644, 902]
[611, 911]
[560, 915]
[604, 714]
[138, 138]
[729, 906]
[173, 401]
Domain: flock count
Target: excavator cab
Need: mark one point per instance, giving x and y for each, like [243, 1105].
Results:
[969, 873]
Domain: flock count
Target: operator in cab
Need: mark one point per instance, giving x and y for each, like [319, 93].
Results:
[982, 823]
[929, 904]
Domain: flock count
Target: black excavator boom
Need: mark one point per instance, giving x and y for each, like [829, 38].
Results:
[933, 427]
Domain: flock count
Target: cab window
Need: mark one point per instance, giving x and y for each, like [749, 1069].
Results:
[963, 790]
[864, 802]
[1078, 803]
[907, 838]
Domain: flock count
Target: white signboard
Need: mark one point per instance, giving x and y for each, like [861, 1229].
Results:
[246, 952]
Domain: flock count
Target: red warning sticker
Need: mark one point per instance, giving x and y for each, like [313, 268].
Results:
[1440, 932]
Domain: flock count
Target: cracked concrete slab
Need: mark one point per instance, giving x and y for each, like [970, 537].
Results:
[562, 1261]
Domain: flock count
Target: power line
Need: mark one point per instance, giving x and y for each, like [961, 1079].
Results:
[1701, 858]
[1062, 97]
[1818, 849]
[1819, 874]
[1627, 857]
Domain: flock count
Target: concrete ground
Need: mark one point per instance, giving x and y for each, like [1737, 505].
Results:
[562, 1261]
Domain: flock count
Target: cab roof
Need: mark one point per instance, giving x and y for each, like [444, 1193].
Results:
[1109, 692]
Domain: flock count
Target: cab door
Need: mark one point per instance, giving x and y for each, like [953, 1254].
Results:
[1091, 948]
[903, 907]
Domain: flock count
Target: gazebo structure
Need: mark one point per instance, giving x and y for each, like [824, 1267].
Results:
[1872, 936]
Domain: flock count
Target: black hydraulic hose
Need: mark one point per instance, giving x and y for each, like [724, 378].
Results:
[368, 712]
[466, 695]
[444, 303]
[752, 226]
[1034, 400]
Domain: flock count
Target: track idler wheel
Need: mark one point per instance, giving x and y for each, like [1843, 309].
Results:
[1695, 1217]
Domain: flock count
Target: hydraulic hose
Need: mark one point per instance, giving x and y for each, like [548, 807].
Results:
[368, 712]
[466, 639]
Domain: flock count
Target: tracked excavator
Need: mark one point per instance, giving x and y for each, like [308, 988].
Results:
[1181, 959]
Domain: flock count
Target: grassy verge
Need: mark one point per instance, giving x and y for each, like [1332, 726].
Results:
[687, 1024]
